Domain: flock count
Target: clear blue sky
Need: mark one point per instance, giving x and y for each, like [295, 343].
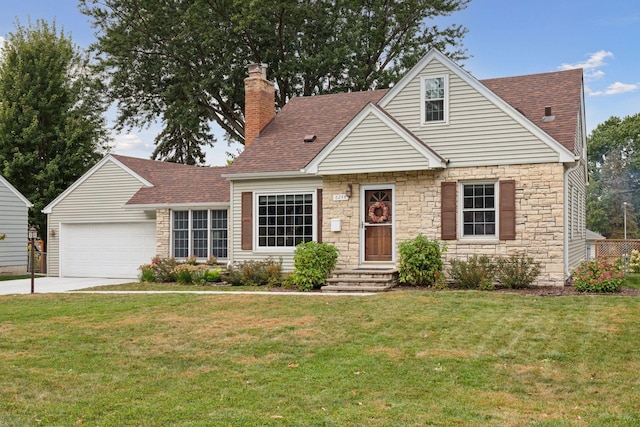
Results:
[505, 38]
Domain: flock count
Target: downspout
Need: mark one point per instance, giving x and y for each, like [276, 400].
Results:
[577, 164]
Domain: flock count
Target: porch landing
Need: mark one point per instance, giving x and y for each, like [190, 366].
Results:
[361, 280]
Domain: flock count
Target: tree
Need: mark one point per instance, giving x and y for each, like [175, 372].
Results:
[614, 170]
[51, 124]
[183, 62]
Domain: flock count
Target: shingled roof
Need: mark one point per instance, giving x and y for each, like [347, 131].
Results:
[281, 147]
[176, 184]
[530, 94]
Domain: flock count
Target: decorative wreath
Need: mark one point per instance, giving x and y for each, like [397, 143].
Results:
[372, 212]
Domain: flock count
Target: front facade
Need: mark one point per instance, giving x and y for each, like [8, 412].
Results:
[494, 167]
[14, 218]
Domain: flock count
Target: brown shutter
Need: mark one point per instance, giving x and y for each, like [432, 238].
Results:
[448, 210]
[507, 210]
[247, 221]
[319, 216]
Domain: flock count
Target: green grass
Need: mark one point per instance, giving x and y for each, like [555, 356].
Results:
[16, 277]
[632, 280]
[395, 359]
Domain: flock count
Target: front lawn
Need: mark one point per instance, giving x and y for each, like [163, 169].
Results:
[395, 359]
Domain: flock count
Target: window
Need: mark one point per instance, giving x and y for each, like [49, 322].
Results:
[202, 233]
[284, 220]
[434, 96]
[479, 209]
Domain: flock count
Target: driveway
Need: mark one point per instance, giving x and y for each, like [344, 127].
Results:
[43, 285]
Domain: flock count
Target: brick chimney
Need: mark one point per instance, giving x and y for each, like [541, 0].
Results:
[259, 101]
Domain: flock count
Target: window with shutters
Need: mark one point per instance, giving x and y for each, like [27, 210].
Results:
[478, 204]
[199, 233]
[284, 220]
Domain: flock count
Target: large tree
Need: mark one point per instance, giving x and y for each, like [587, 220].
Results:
[51, 124]
[183, 61]
[614, 172]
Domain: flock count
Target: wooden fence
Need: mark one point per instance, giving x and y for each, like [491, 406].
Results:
[615, 248]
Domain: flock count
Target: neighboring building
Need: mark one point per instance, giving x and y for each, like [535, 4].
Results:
[14, 226]
[490, 167]
[591, 237]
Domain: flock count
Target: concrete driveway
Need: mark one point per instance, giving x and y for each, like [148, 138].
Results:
[44, 285]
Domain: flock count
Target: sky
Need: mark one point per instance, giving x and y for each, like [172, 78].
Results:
[505, 38]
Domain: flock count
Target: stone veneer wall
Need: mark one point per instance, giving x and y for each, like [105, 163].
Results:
[163, 232]
[539, 213]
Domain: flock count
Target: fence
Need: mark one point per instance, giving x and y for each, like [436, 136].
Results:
[615, 248]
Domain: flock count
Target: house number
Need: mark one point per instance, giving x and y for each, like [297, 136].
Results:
[340, 197]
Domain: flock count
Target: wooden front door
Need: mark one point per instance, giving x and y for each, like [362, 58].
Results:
[378, 225]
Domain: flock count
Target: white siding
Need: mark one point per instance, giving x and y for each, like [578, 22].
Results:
[478, 132]
[13, 223]
[235, 215]
[373, 147]
[99, 199]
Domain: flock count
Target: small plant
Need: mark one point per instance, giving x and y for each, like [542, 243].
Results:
[634, 261]
[420, 261]
[188, 274]
[192, 260]
[517, 271]
[163, 269]
[312, 264]
[475, 273]
[146, 273]
[213, 276]
[3, 236]
[212, 260]
[597, 275]
[256, 273]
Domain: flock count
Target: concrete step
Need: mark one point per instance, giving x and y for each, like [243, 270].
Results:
[361, 280]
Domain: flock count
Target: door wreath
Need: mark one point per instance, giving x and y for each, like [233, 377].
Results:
[378, 218]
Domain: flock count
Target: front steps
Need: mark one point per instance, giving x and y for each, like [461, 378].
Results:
[361, 280]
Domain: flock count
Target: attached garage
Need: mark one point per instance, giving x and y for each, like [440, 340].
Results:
[106, 249]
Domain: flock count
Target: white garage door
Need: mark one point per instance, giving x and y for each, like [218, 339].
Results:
[107, 249]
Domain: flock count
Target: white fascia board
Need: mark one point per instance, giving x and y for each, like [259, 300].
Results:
[261, 175]
[564, 155]
[108, 158]
[370, 109]
[15, 191]
[176, 206]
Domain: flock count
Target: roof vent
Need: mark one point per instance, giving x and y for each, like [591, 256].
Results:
[309, 138]
[548, 117]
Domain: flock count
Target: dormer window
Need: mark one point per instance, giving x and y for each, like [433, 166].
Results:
[435, 99]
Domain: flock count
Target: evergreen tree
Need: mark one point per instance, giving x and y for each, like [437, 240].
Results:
[51, 125]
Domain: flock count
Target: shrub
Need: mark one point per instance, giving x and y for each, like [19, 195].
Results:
[420, 262]
[213, 276]
[146, 273]
[634, 261]
[192, 260]
[212, 260]
[597, 275]
[475, 273]
[312, 264]
[163, 269]
[256, 273]
[517, 271]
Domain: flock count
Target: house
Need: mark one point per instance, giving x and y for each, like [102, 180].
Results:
[591, 237]
[492, 167]
[14, 225]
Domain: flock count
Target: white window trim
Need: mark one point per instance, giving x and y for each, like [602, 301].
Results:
[489, 237]
[190, 232]
[256, 225]
[423, 114]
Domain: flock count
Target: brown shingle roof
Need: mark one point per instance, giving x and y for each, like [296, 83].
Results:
[175, 183]
[530, 94]
[281, 147]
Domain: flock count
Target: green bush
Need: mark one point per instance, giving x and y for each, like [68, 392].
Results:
[213, 276]
[420, 262]
[267, 272]
[517, 271]
[146, 273]
[475, 273]
[597, 275]
[634, 261]
[312, 264]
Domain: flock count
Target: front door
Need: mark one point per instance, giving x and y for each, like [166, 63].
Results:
[378, 224]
